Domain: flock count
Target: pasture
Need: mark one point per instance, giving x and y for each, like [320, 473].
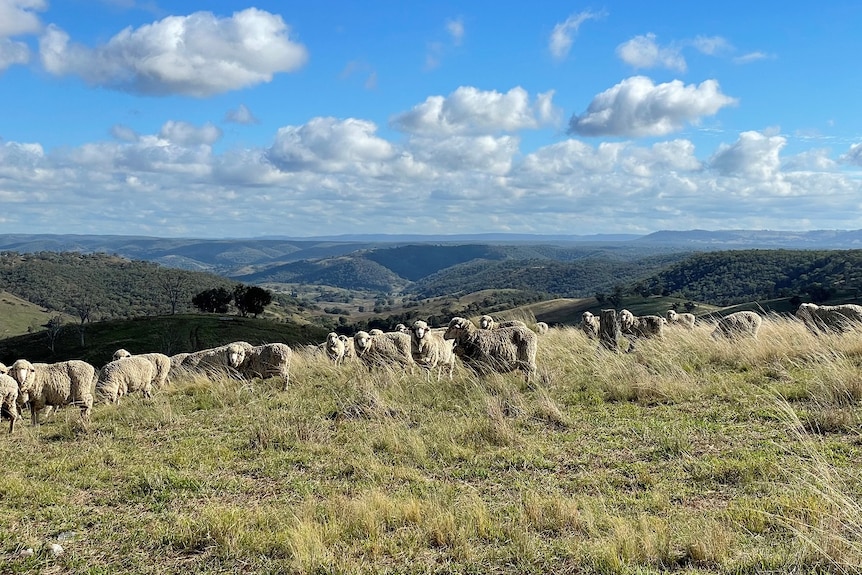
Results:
[690, 455]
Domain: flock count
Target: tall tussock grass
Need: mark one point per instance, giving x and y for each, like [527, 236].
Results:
[689, 454]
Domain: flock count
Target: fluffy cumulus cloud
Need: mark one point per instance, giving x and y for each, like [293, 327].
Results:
[563, 35]
[753, 156]
[644, 52]
[185, 134]
[17, 17]
[240, 115]
[853, 155]
[638, 107]
[196, 55]
[469, 110]
[329, 145]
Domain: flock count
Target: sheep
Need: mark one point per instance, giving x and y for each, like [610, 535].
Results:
[590, 325]
[541, 328]
[163, 364]
[430, 350]
[738, 324]
[500, 350]
[334, 348]
[120, 354]
[830, 318]
[641, 326]
[51, 385]
[488, 322]
[384, 349]
[226, 358]
[402, 328]
[8, 397]
[375, 331]
[267, 360]
[123, 376]
[683, 319]
[349, 348]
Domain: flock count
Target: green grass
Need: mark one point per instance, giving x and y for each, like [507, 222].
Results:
[690, 455]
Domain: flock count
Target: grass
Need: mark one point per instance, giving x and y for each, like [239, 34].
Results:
[689, 455]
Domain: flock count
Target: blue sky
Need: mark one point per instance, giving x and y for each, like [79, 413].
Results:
[230, 119]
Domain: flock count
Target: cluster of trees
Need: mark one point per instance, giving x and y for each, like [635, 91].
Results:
[246, 299]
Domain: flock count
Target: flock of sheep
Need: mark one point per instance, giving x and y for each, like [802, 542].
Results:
[491, 347]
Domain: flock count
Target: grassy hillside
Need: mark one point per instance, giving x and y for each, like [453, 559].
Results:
[163, 334]
[19, 316]
[678, 458]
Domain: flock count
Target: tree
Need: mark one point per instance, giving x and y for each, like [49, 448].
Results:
[214, 300]
[175, 284]
[83, 308]
[250, 299]
[54, 327]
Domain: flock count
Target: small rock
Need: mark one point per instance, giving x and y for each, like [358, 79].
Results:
[28, 552]
[55, 549]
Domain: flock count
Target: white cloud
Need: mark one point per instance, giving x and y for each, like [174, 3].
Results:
[328, 145]
[853, 155]
[18, 17]
[562, 36]
[240, 115]
[644, 52]
[456, 30]
[469, 110]
[751, 57]
[185, 134]
[711, 45]
[124, 133]
[637, 107]
[196, 55]
[487, 154]
[12, 52]
[753, 156]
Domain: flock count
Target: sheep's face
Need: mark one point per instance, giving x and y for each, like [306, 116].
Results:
[362, 340]
[627, 319]
[486, 322]
[457, 326]
[3, 369]
[235, 356]
[20, 371]
[376, 332]
[332, 339]
[671, 315]
[402, 328]
[420, 329]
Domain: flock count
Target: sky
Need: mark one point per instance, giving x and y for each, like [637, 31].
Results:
[227, 119]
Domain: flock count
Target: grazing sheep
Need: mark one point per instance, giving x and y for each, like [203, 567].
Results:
[177, 362]
[383, 349]
[830, 318]
[641, 326]
[402, 328]
[47, 386]
[334, 348]
[741, 323]
[590, 325]
[127, 375]
[267, 360]
[8, 398]
[541, 328]
[349, 349]
[120, 354]
[502, 350]
[218, 360]
[430, 350]
[375, 331]
[488, 322]
[683, 319]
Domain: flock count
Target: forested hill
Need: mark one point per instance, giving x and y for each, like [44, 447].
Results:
[103, 286]
[731, 277]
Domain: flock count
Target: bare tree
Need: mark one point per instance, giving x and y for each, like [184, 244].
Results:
[83, 308]
[176, 286]
[54, 327]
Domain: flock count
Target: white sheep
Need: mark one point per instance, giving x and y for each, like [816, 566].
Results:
[541, 328]
[741, 323]
[375, 331]
[402, 328]
[267, 360]
[383, 349]
[488, 322]
[126, 375]
[349, 349]
[8, 398]
[334, 348]
[430, 350]
[502, 350]
[830, 318]
[641, 326]
[47, 386]
[163, 364]
[218, 360]
[682, 319]
[590, 325]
